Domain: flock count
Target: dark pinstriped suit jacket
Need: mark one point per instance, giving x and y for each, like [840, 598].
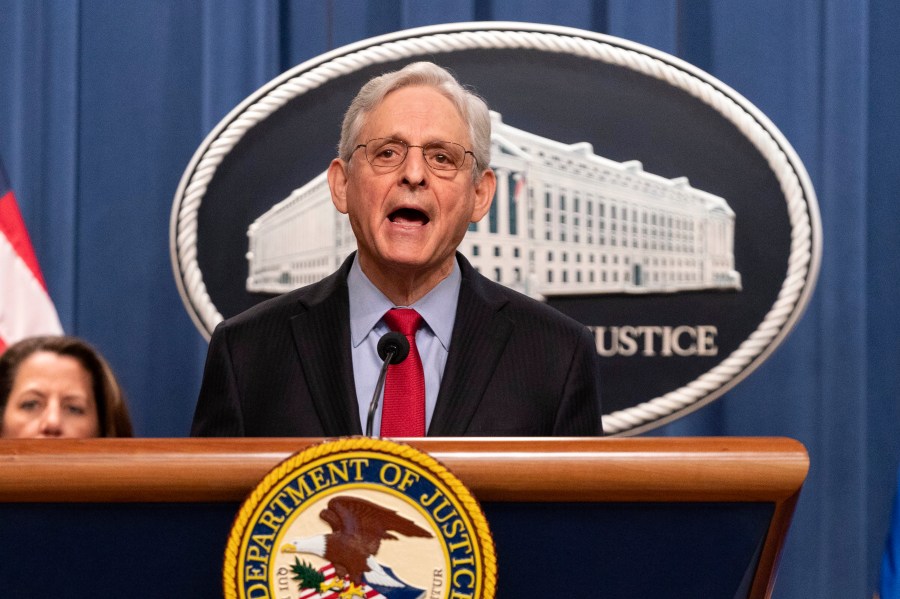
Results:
[516, 368]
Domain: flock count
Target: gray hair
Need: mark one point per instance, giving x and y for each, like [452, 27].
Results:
[470, 106]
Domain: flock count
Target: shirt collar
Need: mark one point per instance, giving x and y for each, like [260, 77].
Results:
[368, 304]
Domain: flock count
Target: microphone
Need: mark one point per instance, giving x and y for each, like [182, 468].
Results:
[393, 349]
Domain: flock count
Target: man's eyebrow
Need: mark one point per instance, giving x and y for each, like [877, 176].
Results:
[407, 142]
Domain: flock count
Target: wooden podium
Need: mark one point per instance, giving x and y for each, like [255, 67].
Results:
[664, 517]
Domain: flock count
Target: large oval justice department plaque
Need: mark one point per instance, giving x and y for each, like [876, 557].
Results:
[636, 193]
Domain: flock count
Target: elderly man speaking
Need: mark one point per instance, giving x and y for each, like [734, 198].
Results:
[412, 173]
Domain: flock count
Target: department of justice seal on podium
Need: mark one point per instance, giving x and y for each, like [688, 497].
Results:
[360, 518]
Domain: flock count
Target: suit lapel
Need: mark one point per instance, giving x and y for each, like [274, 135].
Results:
[480, 334]
[322, 338]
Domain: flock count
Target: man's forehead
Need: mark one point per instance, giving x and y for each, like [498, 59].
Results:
[396, 112]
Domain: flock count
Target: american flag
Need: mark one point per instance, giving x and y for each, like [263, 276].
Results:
[25, 306]
[519, 189]
[328, 571]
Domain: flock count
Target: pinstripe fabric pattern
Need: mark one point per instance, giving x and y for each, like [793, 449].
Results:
[516, 368]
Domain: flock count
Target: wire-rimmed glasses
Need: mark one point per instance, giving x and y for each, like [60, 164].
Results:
[389, 153]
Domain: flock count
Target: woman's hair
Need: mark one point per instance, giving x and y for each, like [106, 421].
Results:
[108, 395]
[471, 108]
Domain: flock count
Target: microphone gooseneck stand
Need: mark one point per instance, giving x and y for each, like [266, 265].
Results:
[392, 349]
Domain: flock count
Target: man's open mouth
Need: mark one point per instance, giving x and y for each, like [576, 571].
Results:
[408, 216]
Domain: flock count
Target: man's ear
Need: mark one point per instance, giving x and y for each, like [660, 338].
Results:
[337, 183]
[484, 195]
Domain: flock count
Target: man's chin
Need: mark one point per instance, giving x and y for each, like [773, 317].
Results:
[413, 263]
[410, 261]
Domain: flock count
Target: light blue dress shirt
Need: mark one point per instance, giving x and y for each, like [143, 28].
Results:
[367, 306]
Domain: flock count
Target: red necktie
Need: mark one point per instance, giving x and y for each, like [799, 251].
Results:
[403, 414]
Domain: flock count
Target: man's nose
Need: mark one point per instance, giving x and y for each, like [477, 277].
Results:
[414, 169]
[51, 419]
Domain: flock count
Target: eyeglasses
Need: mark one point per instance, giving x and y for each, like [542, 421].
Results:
[389, 153]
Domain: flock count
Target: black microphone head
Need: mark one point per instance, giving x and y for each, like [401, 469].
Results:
[395, 342]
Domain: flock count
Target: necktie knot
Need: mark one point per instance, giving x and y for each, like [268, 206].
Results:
[405, 321]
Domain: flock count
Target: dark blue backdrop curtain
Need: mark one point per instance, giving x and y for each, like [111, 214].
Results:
[102, 104]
